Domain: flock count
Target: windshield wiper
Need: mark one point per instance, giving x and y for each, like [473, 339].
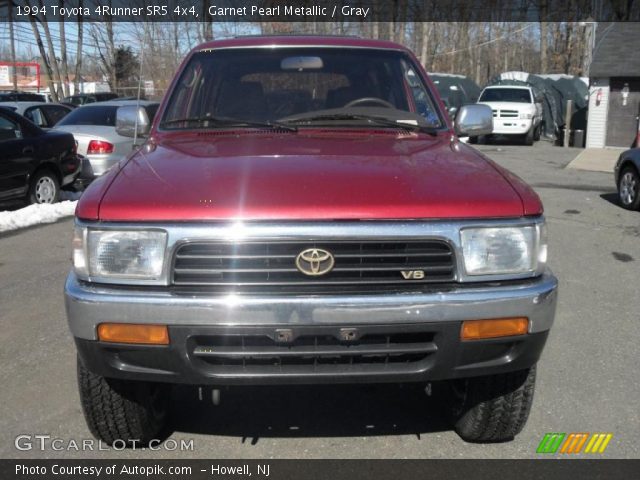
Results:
[372, 119]
[207, 121]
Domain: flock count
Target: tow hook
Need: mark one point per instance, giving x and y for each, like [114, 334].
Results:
[215, 395]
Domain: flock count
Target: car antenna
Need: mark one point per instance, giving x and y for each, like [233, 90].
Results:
[135, 125]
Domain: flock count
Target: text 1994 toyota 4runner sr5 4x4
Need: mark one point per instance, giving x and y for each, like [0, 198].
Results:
[303, 212]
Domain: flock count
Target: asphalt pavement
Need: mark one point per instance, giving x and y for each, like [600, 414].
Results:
[588, 378]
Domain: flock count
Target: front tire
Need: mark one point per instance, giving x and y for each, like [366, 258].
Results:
[528, 137]
[125, 411]
[44, 188]
[492, 408]
[538, 133]
[629, 188]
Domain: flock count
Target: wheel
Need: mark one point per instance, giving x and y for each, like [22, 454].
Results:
[538, 133]
[473, 140]
[492, 408]
[125, 411]
[44, 188]
[528, 137]
[629, 188]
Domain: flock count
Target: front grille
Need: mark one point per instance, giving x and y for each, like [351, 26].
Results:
[508, 113]
[315, 350]
[274, 263]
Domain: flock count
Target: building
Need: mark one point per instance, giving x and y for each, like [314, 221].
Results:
[614, 91]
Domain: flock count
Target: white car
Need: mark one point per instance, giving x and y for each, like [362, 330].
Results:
[44, 115]
[517, 111]
[94, 128]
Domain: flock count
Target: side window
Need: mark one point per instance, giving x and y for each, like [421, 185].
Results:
[55, 113]
[151, 111]
[36, 116]
[9, 129]
[421, 97]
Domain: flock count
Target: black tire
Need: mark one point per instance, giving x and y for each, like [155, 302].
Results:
[528, 137]
[44, 188]
[629, 188]
[473, 140]
[538, 133]
[493, 408]
[132, 413]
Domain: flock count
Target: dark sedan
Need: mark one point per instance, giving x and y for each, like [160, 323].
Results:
[34, 163]
[627, 178]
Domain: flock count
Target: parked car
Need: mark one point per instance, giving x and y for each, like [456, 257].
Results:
[44, 115]
[627, 178]
[84, 98]
[34, 163]
[17, 96]
[94, 128]
[517, 112]
[301, 214]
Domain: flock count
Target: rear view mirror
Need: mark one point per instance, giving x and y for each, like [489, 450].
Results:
[474, 120]
[301, 63]
[130, 118]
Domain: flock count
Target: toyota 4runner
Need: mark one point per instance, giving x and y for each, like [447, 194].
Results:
[302, 212]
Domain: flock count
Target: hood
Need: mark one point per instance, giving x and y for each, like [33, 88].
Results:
[304, 176]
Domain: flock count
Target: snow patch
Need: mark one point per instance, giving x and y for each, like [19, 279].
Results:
[36, 214]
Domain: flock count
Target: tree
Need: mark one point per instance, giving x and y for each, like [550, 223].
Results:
[127, 67]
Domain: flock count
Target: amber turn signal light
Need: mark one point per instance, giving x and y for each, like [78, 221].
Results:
[133, 333]
[494, 328]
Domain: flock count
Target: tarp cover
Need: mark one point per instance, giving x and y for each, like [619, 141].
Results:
[455, 90]
[554, 90]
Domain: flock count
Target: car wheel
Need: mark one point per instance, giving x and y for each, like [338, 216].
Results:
[538, 133]
[44, 188]
[493, 408]
[130, 412]
[629, 188]
[473, 140]
[528, 137]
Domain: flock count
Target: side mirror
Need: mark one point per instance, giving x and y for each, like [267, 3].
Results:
[474, 120]
[131, 117]
[452, 112]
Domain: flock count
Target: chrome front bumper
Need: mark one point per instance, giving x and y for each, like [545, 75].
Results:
[89, 305]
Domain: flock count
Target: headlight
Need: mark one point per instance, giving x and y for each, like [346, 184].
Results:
[119, 254]
[504, 250]
[526, 116]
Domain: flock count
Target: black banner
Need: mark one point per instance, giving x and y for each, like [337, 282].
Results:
[321, 11]
[320, 469]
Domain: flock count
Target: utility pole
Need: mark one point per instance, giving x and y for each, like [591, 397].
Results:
[13, 46]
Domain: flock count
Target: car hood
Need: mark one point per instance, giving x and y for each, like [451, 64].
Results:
[306, 176]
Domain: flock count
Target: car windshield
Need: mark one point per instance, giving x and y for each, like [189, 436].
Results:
[300, 86]
[103, 115]
[515, 95]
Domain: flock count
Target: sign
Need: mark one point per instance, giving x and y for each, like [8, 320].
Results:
[4, 76]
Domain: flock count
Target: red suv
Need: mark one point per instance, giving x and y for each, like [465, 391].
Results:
[302, 212]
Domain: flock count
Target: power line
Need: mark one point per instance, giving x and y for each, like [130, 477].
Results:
[482, 44]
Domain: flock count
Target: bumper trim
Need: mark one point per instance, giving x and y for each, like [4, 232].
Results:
[89, 305]
[177, 362]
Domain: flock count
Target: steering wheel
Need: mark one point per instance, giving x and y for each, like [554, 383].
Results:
[359, 101]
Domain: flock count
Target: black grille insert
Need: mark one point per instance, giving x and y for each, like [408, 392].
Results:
[314, 350]
[274, 263]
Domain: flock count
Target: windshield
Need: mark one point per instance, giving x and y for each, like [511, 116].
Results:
[335, 86]
[515, 95]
